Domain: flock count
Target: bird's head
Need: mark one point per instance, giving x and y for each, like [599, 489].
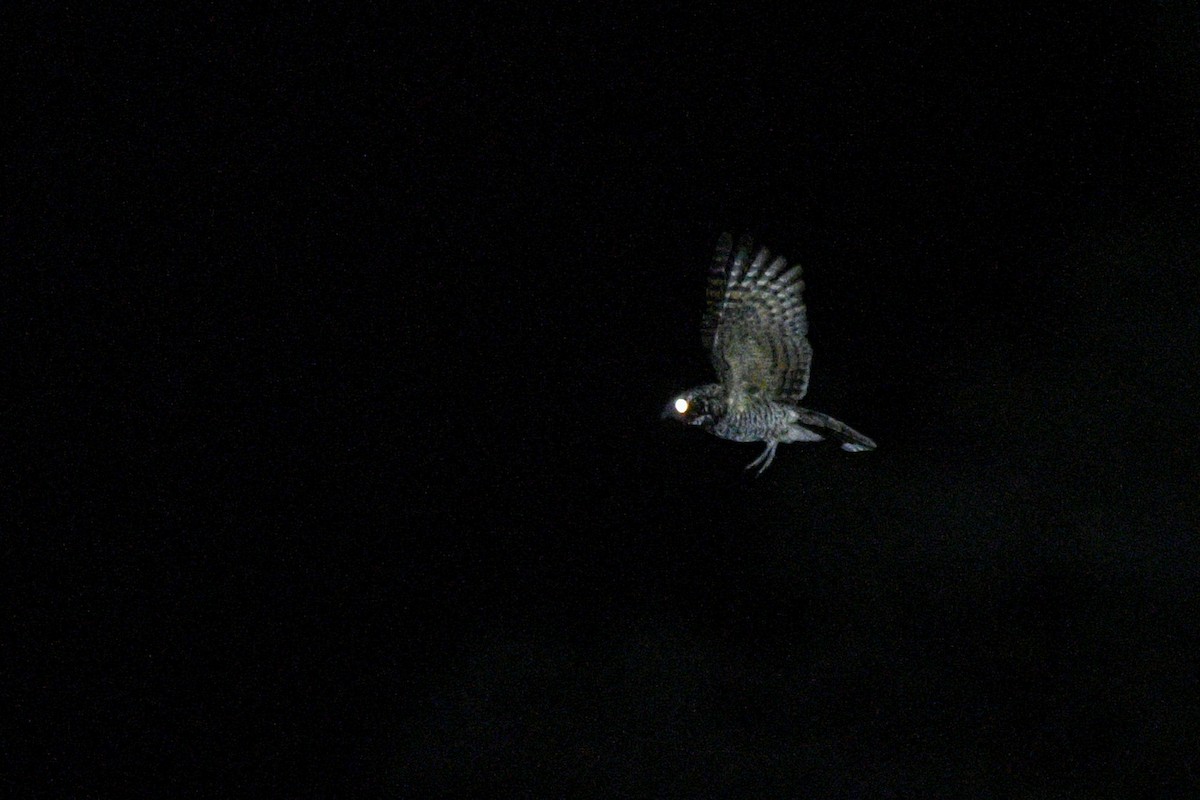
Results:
[700, 406]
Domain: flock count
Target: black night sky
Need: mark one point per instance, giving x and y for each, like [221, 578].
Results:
[337, 341]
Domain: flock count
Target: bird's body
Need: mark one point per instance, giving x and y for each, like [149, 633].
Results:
[755, 328]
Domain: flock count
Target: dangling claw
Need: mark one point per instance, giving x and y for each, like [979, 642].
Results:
[767, 456]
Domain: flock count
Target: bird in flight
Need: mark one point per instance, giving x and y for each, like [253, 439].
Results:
[755, 329]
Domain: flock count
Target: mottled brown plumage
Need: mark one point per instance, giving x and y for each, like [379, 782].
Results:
[755, 329]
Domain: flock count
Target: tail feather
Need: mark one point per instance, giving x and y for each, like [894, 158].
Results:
[851, 440]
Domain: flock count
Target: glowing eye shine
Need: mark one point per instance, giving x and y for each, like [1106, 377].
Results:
[681, 405]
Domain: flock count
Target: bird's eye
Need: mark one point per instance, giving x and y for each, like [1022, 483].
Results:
[681, 405]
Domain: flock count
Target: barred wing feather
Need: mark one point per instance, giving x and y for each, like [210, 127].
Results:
[755, 324]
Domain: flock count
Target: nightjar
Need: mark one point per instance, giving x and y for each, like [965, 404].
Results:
[754, 329]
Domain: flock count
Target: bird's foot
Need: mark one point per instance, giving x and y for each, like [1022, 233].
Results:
[765, 458]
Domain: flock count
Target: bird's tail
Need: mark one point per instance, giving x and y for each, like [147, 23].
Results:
[850, 439]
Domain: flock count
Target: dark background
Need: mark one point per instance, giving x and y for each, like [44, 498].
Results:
[336, 342]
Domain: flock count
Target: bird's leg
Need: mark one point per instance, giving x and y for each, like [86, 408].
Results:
[761, 456]
[767, 456]
[770, 457]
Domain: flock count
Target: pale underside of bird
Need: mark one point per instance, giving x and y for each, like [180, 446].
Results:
[755, 329]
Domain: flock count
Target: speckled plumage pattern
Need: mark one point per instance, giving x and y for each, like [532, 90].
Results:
[755, 329]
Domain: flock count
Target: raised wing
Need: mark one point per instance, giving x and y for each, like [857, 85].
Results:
[756, 331]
